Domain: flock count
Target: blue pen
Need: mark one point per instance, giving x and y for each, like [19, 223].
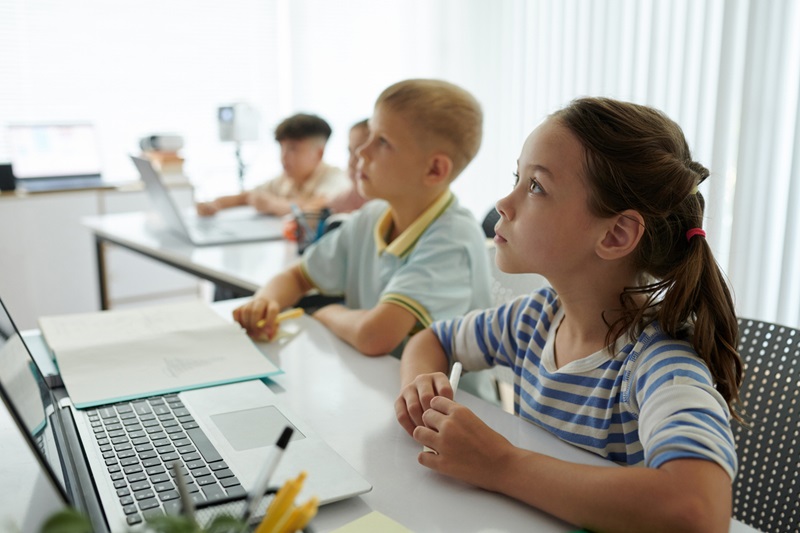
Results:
[323, 216]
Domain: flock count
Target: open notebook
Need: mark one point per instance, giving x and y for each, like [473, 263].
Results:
[113, 461]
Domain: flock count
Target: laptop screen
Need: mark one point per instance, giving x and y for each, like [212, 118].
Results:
[53, 150]
[28, 400]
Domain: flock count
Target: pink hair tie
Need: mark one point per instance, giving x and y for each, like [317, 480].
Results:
[695, 231]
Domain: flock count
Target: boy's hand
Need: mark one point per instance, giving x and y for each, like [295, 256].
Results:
[207, 209]
[415, 398]
[257, 317]
[467, 449]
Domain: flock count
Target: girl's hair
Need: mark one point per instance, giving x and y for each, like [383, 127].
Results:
[637, 158]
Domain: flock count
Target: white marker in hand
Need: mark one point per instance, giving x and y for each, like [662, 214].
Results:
[455, 375]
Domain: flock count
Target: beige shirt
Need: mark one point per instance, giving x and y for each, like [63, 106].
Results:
[326, 180]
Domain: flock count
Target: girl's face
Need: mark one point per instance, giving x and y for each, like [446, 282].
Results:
[545, 225]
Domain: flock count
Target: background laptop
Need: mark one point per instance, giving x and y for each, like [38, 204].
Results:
[111, 462]
[55, 157]
[230, 226]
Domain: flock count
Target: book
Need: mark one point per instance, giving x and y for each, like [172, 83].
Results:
[118, 355]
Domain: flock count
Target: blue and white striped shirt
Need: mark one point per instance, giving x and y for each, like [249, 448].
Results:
[651, 402]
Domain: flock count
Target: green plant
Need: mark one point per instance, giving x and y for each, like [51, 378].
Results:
[72, 521]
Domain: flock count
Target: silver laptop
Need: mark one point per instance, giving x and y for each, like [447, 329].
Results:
[229, 226]
[113, 462]
[55, 157]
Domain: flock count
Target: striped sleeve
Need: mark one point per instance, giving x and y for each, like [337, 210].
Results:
[681, 414]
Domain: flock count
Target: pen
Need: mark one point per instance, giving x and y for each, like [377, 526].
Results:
[300, 516]
[295, 312]
[455, 376]
[262, 481]
[323, 216]
[276, 512]
[187, 504]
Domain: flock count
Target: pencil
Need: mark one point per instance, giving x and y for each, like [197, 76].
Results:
[295, 312]
[300, 516]
[281, 504]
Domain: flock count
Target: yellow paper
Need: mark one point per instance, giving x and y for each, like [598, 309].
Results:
[372, 522]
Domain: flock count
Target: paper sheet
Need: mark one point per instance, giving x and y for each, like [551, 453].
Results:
[371, 523]
[120, 355]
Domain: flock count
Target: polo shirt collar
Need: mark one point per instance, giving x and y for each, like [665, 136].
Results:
[406, 241]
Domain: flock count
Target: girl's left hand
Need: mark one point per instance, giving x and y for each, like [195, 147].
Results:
[466, 447]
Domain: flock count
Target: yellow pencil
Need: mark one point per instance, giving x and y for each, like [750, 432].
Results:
[300, 516]
[286, 315]
[280, 505]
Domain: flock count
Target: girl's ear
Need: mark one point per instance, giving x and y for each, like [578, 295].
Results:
[624, 232]
[440, 166]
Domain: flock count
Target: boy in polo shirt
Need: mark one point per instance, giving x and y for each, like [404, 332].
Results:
[306, 180]
[412, 254]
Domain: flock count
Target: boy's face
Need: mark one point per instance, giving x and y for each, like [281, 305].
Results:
[358, 136]
[300, 157]
[391, 163]
[545, 224]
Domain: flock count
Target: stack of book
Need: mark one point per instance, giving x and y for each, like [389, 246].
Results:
[162, 150]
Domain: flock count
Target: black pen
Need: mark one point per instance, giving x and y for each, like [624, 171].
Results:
[262, 481]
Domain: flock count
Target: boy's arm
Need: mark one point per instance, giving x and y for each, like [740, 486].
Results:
[283, 290]
[223, 202]
[375, 331]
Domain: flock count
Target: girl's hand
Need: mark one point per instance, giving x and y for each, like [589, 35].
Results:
[415, 398]
[466, 448]
[257, 317]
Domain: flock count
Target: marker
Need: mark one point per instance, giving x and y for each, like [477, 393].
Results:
[187, 504]
[262, 481]
[295, 312]
[455, 376]
[300, 516]
[277, 510]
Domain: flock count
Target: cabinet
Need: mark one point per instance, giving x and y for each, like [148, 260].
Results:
[47, 258]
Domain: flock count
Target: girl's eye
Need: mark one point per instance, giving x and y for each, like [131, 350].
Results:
[516, 178]
[534, 187]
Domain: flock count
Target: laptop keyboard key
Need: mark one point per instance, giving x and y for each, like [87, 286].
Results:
[207, 449]
[134, 519]
[213, 492]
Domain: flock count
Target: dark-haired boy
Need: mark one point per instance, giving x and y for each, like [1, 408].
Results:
[306, 180]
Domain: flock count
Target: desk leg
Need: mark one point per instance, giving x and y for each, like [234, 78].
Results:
[99, 248]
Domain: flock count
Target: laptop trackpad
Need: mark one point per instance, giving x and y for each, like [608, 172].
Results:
[253, 428]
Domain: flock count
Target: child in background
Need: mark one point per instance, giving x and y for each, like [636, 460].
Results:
[307, 180]
[352, 199]
[409, 257]
[631, 353]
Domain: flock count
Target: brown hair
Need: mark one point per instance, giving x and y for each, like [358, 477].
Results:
[637, 158]
[302, 126]
[440, 112]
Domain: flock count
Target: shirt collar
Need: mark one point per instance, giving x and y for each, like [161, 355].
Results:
[406, 241]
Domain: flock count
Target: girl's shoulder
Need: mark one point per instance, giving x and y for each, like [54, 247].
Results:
[655, 353]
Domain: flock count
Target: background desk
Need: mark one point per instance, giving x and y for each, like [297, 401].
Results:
[245, 266]
[349, 400]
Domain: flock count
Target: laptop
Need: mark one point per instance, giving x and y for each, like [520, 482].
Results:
[113, 462]
[228, 227]
[55, 157]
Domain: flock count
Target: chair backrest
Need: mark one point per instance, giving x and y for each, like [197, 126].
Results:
[767, 487]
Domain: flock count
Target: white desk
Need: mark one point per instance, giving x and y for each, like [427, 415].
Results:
[245, 266]
[348, 399]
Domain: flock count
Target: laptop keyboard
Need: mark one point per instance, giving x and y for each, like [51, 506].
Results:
[141, 439]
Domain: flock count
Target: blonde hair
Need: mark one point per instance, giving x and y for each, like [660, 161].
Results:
[441, 113]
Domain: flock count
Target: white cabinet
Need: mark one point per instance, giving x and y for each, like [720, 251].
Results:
[47, 257]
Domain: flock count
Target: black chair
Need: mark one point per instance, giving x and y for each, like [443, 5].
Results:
[767, 487]
[489, 222]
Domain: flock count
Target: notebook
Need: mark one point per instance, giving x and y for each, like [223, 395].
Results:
[230, 226]
[55, 157]
[112, 461]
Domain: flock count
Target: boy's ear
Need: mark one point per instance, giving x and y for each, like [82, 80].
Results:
[623, 234]
[440, 166]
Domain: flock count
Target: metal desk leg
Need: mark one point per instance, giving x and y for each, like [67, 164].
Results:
[99, 248]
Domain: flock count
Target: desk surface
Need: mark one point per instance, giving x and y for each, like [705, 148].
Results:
[246, 265]
[348, 399]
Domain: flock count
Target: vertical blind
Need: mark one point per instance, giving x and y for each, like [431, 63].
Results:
[728, 71]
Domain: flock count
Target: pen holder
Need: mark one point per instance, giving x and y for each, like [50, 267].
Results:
[232, 508]
[309, 226]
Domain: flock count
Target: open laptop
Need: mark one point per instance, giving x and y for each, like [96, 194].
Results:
[230, 226]
[112, 462]
[55, 157]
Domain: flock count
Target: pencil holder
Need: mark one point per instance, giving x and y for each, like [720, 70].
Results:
[229, 511]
